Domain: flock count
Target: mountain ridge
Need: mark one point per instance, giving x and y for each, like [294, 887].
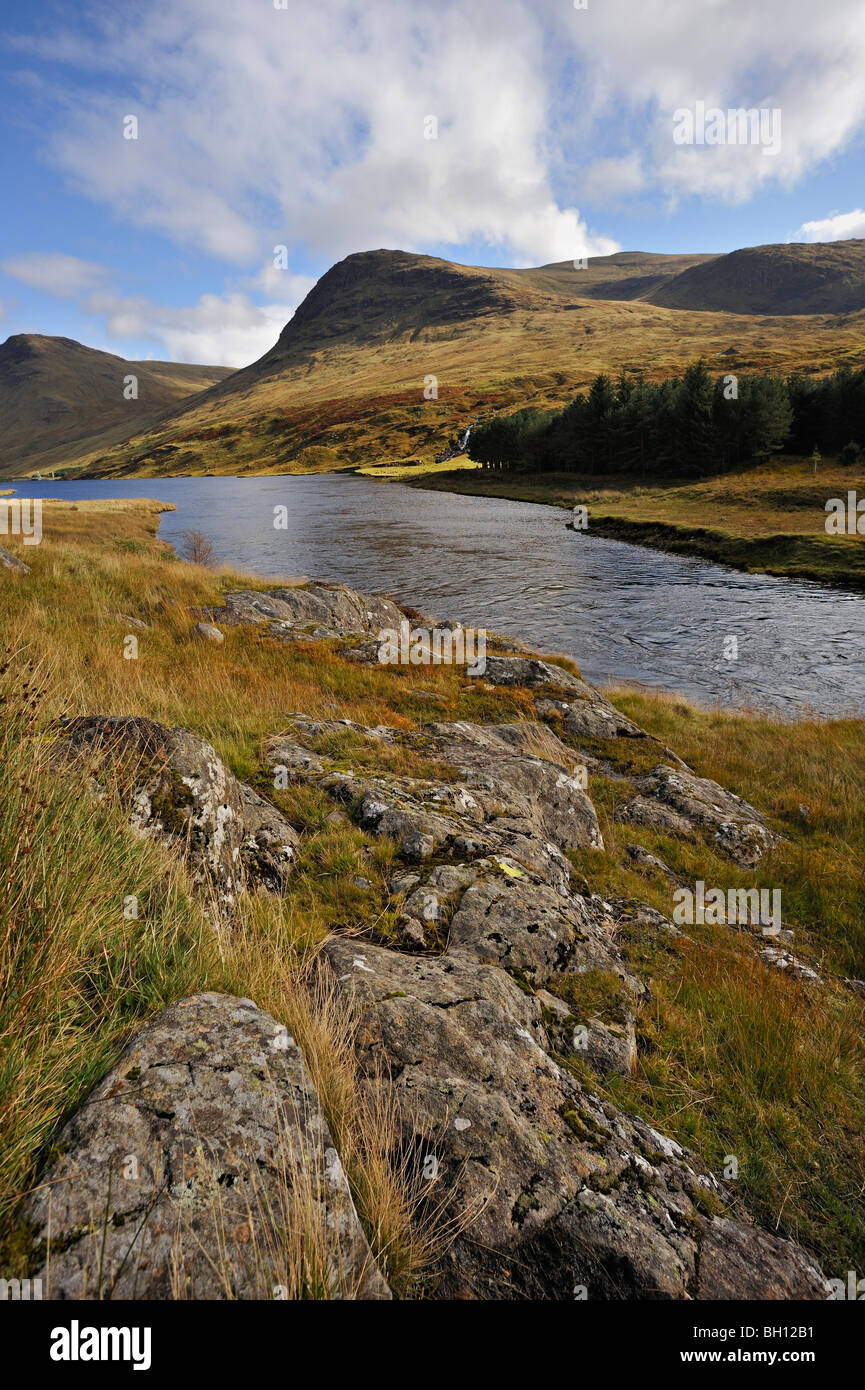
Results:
[392, 353]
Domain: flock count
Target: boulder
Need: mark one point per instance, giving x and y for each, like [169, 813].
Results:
[181, 792]
[208, 633]
[531, 672]
[672, 798]
[550, 1187]
[196, 1169]
[311, 611]
[556, 1188]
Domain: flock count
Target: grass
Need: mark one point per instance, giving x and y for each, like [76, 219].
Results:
[733, 1058]
[769, 519]
[350, 390]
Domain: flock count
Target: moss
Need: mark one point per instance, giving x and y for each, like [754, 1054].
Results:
[520, 978]
[171, 802]
[706, 1200]
[594, 994]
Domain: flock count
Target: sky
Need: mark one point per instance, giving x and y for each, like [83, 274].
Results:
[176, 174]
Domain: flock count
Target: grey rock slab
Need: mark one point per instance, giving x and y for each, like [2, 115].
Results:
[182, 793]
[9, 561]
[192, 1167]
[325, 610]
[553, 1188]
[673, 798]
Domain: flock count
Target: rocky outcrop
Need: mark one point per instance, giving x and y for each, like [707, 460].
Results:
[472, 1014]
[511, 791]
[315, 610]
[673, 798]
[563, 1192]
[201, 1167]
[179, 791]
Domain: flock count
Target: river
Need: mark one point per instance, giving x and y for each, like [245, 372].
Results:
[623, 613]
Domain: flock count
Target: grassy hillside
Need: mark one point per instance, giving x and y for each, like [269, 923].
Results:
[59, 399]
[344, 385]
[795, 279]
[734, 1059]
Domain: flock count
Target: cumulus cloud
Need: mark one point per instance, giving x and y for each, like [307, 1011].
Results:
[334, 127]
[228, 330]
[646, 61]
[841, 226]
[310, 126]
[55, 273]
[224, 330]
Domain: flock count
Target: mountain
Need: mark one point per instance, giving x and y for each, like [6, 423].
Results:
[794, 279]
[58, 398]
[391, 355]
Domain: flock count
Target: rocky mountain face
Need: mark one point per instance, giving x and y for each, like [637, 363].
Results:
[465, 1012]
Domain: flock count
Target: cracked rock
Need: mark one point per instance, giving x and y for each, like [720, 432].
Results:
[180, 1174]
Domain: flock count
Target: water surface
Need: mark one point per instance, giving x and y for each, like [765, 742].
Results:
[623, 612]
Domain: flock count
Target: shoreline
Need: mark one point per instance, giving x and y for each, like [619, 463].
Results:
[784, 555]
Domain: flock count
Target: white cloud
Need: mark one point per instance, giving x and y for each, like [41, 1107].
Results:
[645, 60]
[224, 330]
[841, 226]
[228, 330]
[55, 273]
[306, 126]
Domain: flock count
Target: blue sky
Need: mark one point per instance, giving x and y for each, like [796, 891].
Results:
[279, 123]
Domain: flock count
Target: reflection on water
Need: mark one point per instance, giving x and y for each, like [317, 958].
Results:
[622, 612]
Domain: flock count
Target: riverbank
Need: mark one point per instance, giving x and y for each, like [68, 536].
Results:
[768, 520]
[730, 1056]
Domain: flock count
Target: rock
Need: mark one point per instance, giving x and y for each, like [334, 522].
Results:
[533, 931]
[556, 1187]
[191, 1167]
[628, 912]
[515, 794]
[607, 1046]
[645, 860]
[589, 718]
[313, 611]
[532, 672]
[728, 1255]
[612, 1047]
[11, 562]
[208, 633]
[674, 799]
[181, 792]
[559, 1188]
[784, 960]
[129, 621]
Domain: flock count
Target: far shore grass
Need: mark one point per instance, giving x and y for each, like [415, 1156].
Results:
[769, 519]
[733, 1058]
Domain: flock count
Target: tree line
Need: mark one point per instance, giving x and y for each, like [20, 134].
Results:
[690, 425]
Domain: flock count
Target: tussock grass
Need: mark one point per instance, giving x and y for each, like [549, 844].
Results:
[78, 974]
[732, 1058]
